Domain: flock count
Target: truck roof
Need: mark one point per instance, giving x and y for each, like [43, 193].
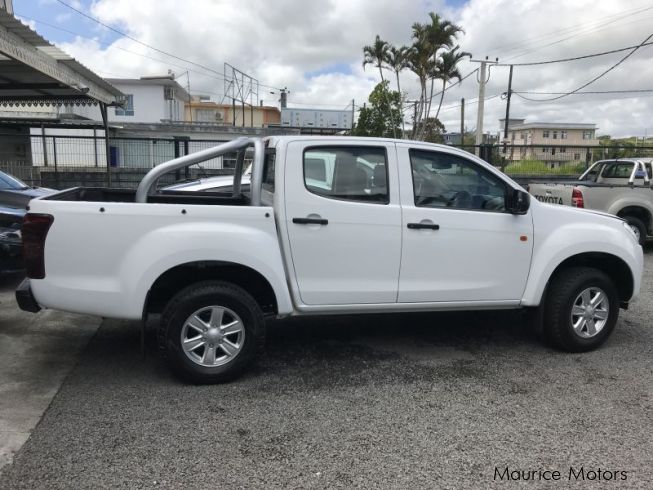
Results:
[274, 140]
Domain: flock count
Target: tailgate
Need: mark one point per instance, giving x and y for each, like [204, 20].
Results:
[552, 193]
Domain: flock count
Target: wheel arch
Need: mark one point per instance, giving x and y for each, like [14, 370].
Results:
[639, 212]
[181, 276]
[613, 266]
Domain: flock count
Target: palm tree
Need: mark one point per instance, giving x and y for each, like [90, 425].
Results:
[448, 70]
[429, 39]
[397, 60]
[439, 34]
[376, 55]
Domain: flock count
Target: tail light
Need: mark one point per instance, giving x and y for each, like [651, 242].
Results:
[577, 198]
[35, 229]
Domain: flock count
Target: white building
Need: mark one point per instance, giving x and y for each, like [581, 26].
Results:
[147, 100]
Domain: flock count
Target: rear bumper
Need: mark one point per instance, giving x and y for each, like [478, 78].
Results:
[25, 298]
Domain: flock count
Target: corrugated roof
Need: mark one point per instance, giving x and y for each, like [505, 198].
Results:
[34, 71]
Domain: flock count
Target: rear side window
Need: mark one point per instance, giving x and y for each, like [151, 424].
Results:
[268, 170]
[347, 173]
[617, 170]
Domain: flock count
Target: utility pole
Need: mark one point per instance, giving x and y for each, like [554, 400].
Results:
[352, 114]
[482, 80]
[462, 121]
[284, 97]
[505, 123]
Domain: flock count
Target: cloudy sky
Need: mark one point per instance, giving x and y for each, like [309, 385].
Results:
[315, 49]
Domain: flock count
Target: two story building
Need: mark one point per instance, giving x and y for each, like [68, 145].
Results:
[552, 143]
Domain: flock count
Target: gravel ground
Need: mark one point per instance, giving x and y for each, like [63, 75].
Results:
[395, 401]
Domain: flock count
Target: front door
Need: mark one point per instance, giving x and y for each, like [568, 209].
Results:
[343, 221]
[459, 242]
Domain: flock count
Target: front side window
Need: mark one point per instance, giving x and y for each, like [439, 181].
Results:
[587, 135]
[545, 134]
[441, 180]
[563, 135]
[347, 173]
[128, 107]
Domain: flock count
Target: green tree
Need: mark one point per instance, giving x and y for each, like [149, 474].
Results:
[428, 41]
[448, 70]
[382, 115]
[397, 60]
[433, 130]
[376, 55]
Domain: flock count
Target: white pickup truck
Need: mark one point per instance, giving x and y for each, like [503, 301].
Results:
[328, 225]
[621, 187]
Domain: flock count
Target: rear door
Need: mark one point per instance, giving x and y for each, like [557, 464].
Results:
[343, 221]
[459, 242]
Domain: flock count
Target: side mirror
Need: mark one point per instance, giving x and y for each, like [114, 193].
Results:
[517, 202]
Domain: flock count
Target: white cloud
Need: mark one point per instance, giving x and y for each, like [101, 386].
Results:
[281, 41]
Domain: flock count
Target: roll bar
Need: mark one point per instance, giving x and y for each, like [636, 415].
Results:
[151, 178]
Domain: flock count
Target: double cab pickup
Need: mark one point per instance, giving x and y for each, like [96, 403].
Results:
[327, 225]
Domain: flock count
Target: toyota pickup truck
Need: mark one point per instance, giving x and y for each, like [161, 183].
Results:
[621, 187]
[328, 225]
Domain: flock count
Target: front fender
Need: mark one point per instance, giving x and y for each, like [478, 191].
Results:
[555, 243]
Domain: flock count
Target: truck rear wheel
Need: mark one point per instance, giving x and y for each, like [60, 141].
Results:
[638, 227]
[581, 309]
[211, 332]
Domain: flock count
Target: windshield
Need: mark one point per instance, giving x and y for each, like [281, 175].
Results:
[12, 183]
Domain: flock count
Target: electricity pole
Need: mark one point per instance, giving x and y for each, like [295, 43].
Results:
[505, 123]
[482, 80]
[462, 121]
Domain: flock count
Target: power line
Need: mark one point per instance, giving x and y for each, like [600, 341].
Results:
[113, 45]
[594, 55]
[595, 78]
[595, 28]
[588, 92]
[592, 26]
[117, 31]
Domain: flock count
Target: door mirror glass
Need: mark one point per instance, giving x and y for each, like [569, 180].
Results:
[517, 201]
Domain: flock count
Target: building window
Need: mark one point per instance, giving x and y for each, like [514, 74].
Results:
[587, 135]
[563, 135]
[576, 156]
[545, 134]
[563, 149]
[128, 108]
[555, 135]
[545, 150]
[523, 135]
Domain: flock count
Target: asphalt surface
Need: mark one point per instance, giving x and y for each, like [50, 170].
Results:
[395, 401]
[36, 354]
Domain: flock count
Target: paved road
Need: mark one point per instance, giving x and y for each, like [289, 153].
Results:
[36, 354]
[400, 401]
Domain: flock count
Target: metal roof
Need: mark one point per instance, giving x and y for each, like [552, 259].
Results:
[35, 72]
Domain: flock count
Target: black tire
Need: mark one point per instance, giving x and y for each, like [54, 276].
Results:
[564, 289]
[203, 295]
[641, 227]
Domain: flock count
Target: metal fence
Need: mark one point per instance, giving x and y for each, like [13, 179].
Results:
[61, 162]
[64, 161]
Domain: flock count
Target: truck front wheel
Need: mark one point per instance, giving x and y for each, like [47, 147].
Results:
[638, 227]
[211, 332]
[581, 309]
